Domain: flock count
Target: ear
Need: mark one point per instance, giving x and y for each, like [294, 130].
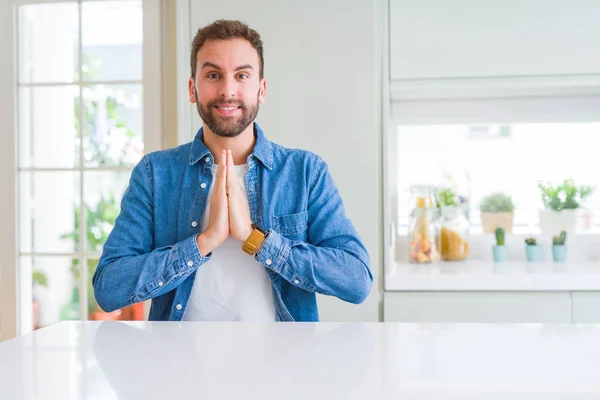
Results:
[191, 91]
[262, 91]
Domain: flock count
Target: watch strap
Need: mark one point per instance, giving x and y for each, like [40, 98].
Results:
[255, 240]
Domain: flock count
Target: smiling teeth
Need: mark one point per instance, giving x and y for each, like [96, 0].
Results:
[228, 108]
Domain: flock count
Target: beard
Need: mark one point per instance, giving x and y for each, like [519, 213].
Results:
[227, 126]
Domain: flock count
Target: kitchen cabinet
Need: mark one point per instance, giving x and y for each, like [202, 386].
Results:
[484, 291]
[489, 307]
[439, 39]
[492, 307]
[586, 307]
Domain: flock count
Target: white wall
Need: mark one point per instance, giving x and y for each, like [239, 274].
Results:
[323, 63]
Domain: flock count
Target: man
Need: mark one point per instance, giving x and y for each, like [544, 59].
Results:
[231, 226]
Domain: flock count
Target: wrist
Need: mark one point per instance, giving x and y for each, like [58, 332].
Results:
[247, 232]
[206, 243]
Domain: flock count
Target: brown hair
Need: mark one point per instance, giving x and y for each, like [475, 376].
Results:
[223, 30]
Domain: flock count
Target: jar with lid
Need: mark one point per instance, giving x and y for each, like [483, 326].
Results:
[423, 234]
[454, 234]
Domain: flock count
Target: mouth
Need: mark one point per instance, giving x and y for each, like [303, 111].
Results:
[228, 109]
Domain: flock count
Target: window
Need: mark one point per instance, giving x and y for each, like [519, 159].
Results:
[505, 144]
[476, 160]
[81, 125]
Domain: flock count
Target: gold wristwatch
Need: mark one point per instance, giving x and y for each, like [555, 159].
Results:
[256, 239]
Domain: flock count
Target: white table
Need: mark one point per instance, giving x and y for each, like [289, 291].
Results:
[170, 360]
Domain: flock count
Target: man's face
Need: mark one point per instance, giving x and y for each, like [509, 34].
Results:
[227, 89]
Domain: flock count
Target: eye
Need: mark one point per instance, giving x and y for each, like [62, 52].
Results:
[243, 76]
[213, 75]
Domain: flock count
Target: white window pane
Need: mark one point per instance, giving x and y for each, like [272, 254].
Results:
[48, 203]
[113, 125]
[102, 194]
[112, 36]
[55, 289]
[48, 42]
[48, 131]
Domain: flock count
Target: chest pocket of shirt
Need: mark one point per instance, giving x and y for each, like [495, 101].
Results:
[292, 226]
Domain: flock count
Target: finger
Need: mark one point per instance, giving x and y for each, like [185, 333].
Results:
[231, 176]
[221, 173]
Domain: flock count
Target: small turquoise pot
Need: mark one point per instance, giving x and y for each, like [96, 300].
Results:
[500, 253]
[533, 253]
[559, 252]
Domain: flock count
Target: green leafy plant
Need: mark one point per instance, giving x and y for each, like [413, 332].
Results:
[446, 198]
[497, 202]
[560, 240]
[39, 278]
[100, 220]
[500, 236]
[563, 196]
[531, 241]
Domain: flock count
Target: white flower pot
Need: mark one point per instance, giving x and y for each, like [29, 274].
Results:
[491, 221]
[552, 222]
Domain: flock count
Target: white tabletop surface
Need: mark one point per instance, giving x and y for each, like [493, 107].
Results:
[491, 276]
[173, 360]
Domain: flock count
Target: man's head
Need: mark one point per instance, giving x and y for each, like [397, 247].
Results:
[227, 82]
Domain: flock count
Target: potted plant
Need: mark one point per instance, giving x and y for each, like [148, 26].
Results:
[100, 220]
[497, 211]
[533, 251]
[561, 202]
[559, 247]
[446, 197]
[500, 250]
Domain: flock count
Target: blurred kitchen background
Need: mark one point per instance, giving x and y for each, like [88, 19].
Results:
[455, 131]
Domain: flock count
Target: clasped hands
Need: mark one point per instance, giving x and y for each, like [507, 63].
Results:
[229, 209]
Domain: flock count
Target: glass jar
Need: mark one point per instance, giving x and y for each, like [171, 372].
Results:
[423, 234]
[454, 234]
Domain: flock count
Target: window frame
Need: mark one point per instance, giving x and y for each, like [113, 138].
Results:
[15, 298]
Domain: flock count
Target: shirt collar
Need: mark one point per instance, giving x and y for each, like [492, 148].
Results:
[263, 148]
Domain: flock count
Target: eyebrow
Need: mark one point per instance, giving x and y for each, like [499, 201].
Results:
[215, 66]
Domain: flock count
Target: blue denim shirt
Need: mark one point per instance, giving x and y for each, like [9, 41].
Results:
[312, 246]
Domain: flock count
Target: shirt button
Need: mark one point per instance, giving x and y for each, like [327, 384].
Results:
[296, 281]
[194, 224]
[203, 185]
[269, 262]
[160, 283]
[207, 159]
[190, 263]
[178, 306]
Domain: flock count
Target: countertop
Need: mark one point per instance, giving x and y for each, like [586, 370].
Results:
[474, 275]
[181, 360]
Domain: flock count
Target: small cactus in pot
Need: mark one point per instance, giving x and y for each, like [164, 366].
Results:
[533, 251]
[559, 247]
[500, 250]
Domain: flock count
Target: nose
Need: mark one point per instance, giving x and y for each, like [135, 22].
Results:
[228, 88]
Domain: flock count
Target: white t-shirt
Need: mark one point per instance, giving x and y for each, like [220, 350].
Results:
[232, 285]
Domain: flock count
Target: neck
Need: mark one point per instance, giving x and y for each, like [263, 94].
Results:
[241, 146]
